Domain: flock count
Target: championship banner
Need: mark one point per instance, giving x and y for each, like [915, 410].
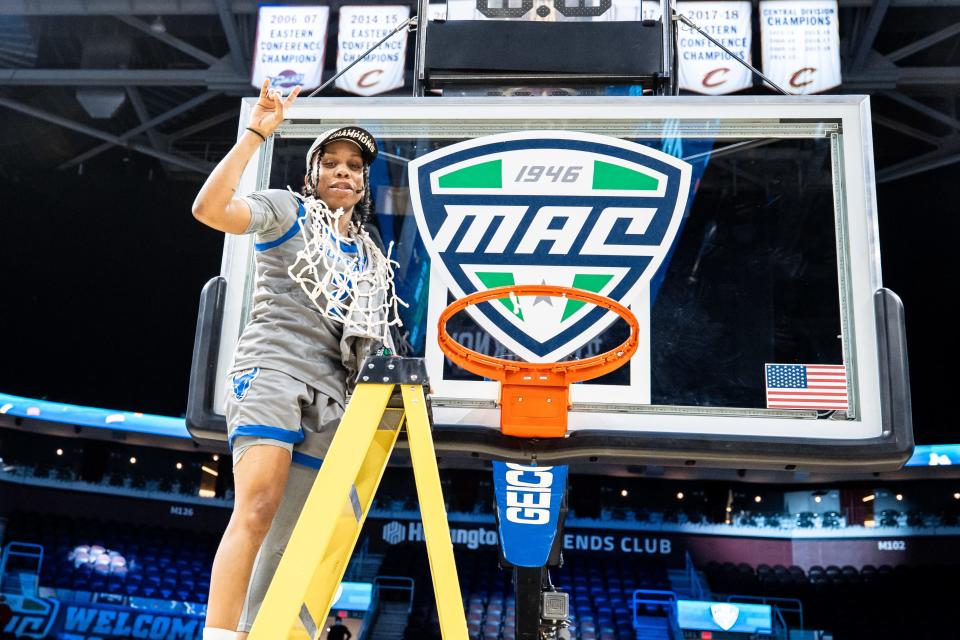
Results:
[290, 46]
[360, 29]
[704, 67]
[801, 44]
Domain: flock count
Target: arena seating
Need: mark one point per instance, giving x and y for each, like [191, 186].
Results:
[174, 564]
[848, 600]
[469, 495]
[160, 563]
[600, 588]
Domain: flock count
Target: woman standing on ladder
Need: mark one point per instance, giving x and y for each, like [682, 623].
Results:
[323, 298]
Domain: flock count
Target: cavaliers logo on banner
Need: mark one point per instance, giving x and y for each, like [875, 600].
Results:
[704, 67]
[801, 44]
[360, 29]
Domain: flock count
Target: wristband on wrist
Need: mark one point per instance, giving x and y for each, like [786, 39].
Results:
[262, 137]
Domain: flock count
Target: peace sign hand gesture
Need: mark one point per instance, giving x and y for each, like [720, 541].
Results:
[270, 109]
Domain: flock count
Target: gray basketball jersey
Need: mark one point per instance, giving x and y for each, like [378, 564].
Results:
[285, 331]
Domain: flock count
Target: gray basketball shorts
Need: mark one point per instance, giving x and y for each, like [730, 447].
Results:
[266, 406]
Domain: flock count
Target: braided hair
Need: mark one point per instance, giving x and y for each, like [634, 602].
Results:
[363, 211]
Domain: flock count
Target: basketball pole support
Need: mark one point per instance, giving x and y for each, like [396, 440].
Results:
[316, 557]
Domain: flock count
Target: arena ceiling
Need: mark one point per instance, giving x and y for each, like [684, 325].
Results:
[168, 74]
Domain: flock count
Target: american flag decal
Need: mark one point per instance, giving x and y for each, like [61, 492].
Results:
[807, 386]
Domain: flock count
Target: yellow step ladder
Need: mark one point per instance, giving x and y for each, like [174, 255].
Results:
[302, 590]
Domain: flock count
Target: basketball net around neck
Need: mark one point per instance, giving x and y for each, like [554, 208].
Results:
[358, 294]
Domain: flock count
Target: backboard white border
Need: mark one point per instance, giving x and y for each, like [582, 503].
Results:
[861, 232]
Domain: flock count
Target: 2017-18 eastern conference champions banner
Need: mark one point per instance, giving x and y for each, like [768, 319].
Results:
[704, 67]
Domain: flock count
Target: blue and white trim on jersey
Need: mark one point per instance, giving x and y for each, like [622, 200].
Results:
[289, 233]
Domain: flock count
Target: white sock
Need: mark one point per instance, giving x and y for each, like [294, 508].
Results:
[209, 633]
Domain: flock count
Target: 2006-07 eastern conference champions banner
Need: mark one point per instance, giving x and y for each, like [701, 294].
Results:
[289, 47]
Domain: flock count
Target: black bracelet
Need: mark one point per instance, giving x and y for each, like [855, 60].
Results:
[257, 132]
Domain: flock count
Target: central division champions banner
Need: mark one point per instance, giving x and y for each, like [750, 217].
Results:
[801, 44]
[361, 27]
[290, 45]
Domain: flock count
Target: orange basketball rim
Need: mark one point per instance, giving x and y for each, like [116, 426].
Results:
[535, 397]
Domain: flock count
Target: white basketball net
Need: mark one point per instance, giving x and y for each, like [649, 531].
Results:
[358, 294]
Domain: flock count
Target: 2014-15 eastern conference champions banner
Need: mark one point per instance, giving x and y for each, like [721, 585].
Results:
[361, 27]
[290, 46]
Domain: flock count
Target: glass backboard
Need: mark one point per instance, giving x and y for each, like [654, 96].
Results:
[740, 231]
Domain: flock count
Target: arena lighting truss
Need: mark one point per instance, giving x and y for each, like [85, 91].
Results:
[166, 116]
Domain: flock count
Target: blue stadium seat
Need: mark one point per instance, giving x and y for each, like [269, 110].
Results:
[850, 574]
[115, 584]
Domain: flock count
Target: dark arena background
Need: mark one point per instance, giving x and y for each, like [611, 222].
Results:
[113, 113]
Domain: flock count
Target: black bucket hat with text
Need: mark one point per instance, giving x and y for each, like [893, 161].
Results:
[360, 137]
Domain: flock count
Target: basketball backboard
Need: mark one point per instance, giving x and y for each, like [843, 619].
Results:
[741, 231]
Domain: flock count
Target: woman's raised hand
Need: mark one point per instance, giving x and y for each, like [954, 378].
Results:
[270, 109]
